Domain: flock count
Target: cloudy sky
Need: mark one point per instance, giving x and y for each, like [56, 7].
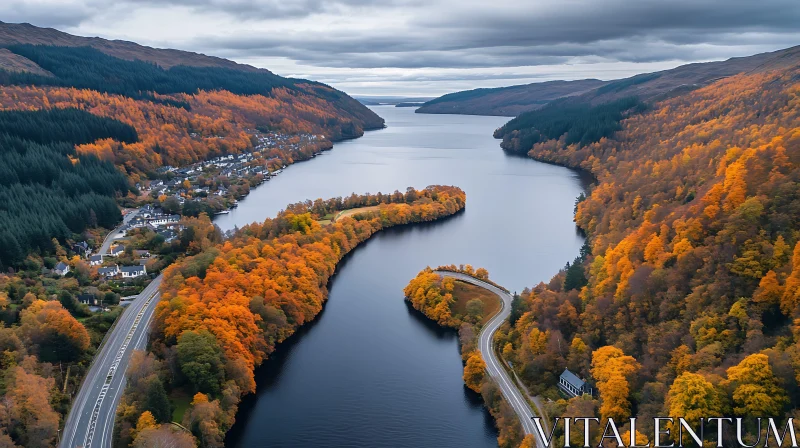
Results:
[431, 47]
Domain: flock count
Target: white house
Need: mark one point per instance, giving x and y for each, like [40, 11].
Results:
[133, 271]
[116, 250]
[96, 260]
[111, 271]
[163, 219]
[61, 268]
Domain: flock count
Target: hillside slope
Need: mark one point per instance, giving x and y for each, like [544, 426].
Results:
[507, 101]
[691, 279]
[185, 106]
[648, 87]
[587, 118]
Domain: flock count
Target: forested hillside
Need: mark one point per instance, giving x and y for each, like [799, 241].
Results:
[47, 190]
[507, 101]
[690, 284]
[648, 87]
[185, 107]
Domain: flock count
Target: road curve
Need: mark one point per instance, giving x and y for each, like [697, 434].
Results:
[512, 394]
[90, 422]
[114, 234]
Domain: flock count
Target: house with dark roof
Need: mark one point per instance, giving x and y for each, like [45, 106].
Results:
[61, 268]
[161, 220]
[81, 248]
[96, 260]
[137, 222]
[133, 271]
[168, 234]
[572, 385]
[116, 250]
[87, 299]
[108, 272]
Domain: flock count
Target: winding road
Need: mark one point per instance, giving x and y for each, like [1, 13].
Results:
[512, 394]
[90, 422]
[114, 234]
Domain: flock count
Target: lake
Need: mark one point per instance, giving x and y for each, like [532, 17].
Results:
[370, 371]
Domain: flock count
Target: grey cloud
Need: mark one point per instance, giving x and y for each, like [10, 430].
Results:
[272, 9]
[566, 36]
[531, 34]
[58, 14]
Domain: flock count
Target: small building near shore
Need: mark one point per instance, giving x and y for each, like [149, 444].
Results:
[572, 385]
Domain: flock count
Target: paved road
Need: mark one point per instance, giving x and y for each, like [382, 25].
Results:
[90, 422]
[113, 234]
[512, 394]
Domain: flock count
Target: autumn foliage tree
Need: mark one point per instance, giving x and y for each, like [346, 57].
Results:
[613, 371]
[27, 413]
[433, 295]
[693, 397]
[50, 328]
[474, 371]
[756, 390]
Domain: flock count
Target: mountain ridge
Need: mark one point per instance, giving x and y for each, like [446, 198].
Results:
[648, 87]
[26, 33]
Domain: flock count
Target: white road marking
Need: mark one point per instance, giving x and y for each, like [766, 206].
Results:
[112, 370]
[485, 338]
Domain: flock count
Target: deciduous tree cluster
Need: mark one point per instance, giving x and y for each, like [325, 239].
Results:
[225, 309]
[692, 269]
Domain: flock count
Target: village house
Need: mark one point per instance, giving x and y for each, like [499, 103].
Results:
[61, 268]
[169, 235]
[162, 220]
[116, 250]
[133, 271]
[81, 248]
[573, 386]
[87, 299]
[108, 272]
[96, 260]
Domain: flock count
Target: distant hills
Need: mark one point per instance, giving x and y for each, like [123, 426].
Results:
[514, 100]
[507, 101]
[391, 100]
[31, 55]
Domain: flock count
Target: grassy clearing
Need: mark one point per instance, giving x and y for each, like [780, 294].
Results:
[355, 211]
[463, 292]
[180, 400]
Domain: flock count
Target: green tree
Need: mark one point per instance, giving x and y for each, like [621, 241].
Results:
[475, 309]
[517, 309]
[157, 401]
[201, 361]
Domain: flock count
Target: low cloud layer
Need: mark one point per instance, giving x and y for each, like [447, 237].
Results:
[386, 46]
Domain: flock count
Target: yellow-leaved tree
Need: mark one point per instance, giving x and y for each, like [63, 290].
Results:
[474, 371]
[613, 370]
[756, 391]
